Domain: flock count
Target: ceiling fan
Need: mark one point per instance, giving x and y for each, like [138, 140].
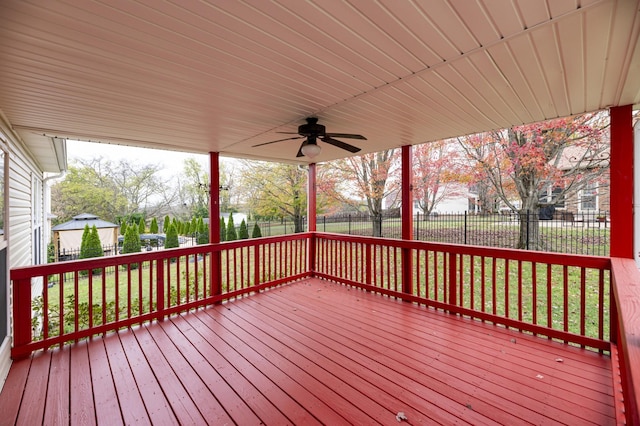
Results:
[312, 131]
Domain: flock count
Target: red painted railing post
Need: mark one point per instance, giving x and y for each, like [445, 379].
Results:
[369, 264]
[311, 253]
[216, 271]
[160, 289]
[256, 265]
[22, 314]
[407, 218]
[453, 296]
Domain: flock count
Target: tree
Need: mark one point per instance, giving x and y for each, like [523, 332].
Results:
[141, 226]
[194, 188]
[202, 232]
[434, 174]
[90, 245]
[256, 233]
[84, 239]
[131, 243]
[373, 175]
[276, 191]
[110, 190]
[193, 226]
[231, 229]
[526, 161]
[166, 223]
[243, 233]
[84, 190]
[223, 230]
[171, 240]
[153, 228]
[123, 228]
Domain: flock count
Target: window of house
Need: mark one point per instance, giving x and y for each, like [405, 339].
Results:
[557, 197]
[589, 197]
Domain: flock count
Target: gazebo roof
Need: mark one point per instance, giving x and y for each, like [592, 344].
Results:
[79, 222]
[224, 76]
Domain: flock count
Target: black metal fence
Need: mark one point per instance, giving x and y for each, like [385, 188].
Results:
[562, 232]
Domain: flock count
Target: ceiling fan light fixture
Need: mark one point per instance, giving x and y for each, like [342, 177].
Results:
[310, 150]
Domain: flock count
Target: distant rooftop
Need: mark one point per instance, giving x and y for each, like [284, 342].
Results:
[79, 222]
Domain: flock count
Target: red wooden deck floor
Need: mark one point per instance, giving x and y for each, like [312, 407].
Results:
[308, 353]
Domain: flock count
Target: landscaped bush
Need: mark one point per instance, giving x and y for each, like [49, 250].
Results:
[256, 233]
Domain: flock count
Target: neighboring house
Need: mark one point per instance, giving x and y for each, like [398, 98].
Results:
[452, 198]
[27, 160]
[591, 196]
[67, 237]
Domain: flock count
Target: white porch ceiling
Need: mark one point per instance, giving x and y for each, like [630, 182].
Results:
[225, 75]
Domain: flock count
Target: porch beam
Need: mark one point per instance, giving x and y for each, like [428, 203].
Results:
[407, 218]
[214, 223]
[621, 167]
[214, 197]
[311, 215]
[311, 198]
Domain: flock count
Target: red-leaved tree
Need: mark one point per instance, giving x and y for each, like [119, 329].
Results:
[566, 154]
[436, 173]
[372, 178]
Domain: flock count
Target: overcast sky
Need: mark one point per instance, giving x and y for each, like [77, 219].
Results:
[171, 161]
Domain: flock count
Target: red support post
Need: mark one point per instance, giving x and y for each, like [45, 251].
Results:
[621, 169]
[214, 222]
[214, 197]
[407, 218]
[21, 316]
[311, 216]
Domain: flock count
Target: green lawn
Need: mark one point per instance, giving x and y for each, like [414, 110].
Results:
[141, 298]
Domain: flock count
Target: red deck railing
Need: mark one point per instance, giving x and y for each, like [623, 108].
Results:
[90, 297]
[563, 297]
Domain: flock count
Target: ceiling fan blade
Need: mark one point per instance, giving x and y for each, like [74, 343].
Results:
[345, 135]
[279, 140]
[340, 144]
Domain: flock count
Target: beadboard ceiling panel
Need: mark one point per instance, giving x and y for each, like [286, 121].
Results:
[220, 75]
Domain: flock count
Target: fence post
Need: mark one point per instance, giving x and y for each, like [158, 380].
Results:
[349, 223]
[465, 227]
[528, 223]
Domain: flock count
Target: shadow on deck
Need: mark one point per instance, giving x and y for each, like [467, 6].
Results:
[312, 352]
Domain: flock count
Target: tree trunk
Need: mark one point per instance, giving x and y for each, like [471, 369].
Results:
[376, 224]
[298, 223]
[529, 235]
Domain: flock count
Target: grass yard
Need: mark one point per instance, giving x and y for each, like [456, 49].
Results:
[515, 286]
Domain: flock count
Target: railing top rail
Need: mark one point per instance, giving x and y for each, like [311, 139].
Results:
[25, 272]
[598, 262]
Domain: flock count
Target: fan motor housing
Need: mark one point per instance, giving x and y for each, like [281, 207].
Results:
[311, 128]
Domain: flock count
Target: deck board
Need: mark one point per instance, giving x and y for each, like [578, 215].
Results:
[312, 352]
[402, 344]
[108, 411]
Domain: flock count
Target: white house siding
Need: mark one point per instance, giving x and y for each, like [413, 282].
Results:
[23, 174]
